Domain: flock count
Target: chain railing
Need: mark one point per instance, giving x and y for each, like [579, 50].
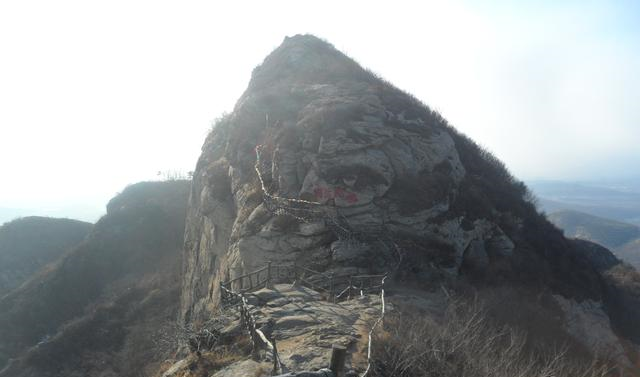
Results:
[333, 287]
[304, 210]
[259, 339]
[377, 322]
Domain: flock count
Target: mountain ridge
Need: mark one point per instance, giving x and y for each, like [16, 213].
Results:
[99, 308]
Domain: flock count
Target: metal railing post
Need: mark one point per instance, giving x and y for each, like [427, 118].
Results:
[295, 274]
[269, 283]
[331, 294]
[276, 358]
[338, 357]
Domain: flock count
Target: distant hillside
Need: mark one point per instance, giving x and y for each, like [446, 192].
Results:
[619, 202]
[87, 212]
[99, 310]
[609, 233]
[621, 238]
[29, 243]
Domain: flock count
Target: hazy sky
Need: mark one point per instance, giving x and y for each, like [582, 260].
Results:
[95, 95]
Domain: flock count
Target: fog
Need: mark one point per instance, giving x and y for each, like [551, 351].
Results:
[98, 95]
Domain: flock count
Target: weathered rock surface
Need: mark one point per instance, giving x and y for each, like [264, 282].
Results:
[305, 327]
[588, 322]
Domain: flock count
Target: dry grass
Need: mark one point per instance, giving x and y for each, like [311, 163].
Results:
[262, 372]
[206, 363]
[466, 344]
[212, 361]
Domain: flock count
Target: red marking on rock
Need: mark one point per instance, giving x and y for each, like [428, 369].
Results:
[351, 198]
[322, 193]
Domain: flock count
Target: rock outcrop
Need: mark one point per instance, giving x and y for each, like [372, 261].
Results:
[323, 164]
[587, 322]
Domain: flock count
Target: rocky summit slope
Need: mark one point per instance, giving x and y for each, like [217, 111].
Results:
[107, 307]
[28, 244]
[323, 164]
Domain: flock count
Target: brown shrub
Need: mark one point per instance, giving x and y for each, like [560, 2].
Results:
[465, 344]
[203, 365]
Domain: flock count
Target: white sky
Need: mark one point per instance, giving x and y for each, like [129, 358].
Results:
[95, 95]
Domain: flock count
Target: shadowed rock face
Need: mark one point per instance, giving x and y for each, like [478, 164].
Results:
[370, 168]
[323, 164]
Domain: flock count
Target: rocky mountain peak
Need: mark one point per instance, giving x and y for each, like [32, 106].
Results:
[304, 59]
[326, 165]
[315, 130]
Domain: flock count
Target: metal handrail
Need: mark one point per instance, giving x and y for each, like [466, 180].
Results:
[323, 282]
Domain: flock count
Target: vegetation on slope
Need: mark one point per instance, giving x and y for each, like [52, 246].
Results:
[104, 298]
[467, 341]
[27, 244]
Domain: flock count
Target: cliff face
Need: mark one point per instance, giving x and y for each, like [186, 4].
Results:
[322, 163]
